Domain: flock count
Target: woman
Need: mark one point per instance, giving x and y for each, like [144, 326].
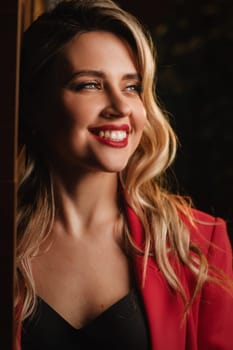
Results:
[107, 257]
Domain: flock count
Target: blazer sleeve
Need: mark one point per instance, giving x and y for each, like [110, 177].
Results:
[215, 321]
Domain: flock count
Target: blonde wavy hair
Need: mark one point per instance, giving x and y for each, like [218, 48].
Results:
[141, 179]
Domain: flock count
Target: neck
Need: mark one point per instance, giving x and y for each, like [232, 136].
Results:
[86, 201]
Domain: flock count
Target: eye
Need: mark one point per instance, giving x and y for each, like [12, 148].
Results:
[134, 88]
[89, 85]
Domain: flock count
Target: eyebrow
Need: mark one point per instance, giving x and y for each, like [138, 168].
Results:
[100, 74]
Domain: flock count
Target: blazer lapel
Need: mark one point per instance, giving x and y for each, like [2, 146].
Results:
[164, 308]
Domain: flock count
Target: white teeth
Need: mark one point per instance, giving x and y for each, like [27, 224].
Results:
[115, 135]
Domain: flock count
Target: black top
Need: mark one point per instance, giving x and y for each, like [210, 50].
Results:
[121, 327]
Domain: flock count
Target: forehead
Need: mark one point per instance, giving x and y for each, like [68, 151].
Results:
[98, 50]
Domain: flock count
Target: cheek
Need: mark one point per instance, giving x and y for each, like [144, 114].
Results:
[139, 124]
[141, 119]
[69, 116]
[78, 111]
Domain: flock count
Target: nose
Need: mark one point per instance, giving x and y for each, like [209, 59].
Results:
[117, 106]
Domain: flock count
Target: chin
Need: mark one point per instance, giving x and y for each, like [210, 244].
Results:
[114, 167]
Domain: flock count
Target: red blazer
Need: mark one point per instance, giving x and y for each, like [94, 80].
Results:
[210, 323]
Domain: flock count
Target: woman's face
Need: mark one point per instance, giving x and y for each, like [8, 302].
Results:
[94, 115]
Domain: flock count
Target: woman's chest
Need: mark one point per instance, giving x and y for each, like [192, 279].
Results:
[80, 281]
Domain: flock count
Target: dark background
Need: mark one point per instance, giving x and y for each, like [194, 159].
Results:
[194, 41]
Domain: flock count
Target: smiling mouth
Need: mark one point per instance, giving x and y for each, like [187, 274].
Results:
[112, 135]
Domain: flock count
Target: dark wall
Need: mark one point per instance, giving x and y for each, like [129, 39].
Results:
[194, 40]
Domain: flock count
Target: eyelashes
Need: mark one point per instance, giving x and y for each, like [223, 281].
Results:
[135, 87]
[94, 85]
[91, 85]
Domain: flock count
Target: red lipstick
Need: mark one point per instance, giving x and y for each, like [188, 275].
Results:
[123, 127]
[111, 135]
